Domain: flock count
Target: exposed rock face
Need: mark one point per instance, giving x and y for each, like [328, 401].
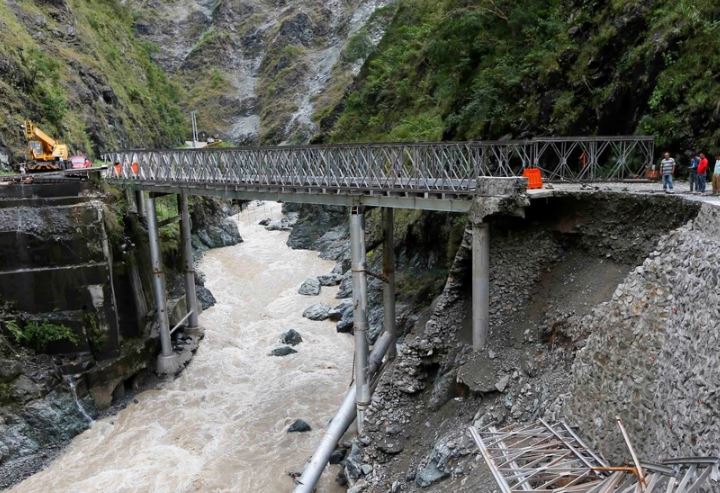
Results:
[211, 226]
[651, 355]
[93, 89]
[315, 223]
[257, 68]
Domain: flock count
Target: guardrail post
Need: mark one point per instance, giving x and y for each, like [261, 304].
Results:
[193, 327]
[389, 273]
[167, 361]
[480, 284]
[360, 324]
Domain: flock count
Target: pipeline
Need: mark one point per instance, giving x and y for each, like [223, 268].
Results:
[340, 422]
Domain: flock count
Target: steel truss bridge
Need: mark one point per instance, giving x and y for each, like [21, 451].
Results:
[480, 177]
[437, 176]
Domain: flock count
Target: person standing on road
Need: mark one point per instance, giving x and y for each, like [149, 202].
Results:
[667, 168]
[702, 173]
[693, 171]
[716, 176]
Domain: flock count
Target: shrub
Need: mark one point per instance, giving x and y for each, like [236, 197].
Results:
[38, 335]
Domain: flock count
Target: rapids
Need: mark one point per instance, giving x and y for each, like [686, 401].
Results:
[221, 425]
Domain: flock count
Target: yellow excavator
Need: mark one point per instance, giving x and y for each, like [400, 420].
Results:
[44, 153]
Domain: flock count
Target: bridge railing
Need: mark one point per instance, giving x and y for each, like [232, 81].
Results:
[446, 167]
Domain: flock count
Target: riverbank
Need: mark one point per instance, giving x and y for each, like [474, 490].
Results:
[74, 263]
[222, 424]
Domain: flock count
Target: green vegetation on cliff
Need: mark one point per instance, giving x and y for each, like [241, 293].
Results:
[457, 69]
[38, 335]
[77, 69]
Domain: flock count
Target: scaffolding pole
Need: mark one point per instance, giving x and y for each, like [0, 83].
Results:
[360, 324]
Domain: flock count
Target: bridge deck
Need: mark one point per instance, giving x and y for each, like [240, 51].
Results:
[440, 176]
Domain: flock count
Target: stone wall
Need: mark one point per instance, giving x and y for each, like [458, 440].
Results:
[652, 352]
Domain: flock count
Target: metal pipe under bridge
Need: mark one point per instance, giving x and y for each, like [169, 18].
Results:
[480, 178]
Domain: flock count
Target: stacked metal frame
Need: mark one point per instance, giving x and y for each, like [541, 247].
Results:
[540, 457]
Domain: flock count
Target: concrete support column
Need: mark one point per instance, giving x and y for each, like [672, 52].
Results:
[389, 273]
[480, 284]
[167, 360]
[360, 323]
[192, 327]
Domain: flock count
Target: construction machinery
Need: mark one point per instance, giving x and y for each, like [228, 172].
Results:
[44, 153]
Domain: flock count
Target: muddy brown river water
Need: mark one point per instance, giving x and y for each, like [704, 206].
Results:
[221, 426]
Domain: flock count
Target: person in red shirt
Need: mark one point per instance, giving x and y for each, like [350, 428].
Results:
[702, 173]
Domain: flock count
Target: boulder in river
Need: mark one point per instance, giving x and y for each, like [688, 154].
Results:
[279, 225]
[299, 426]
[282, 351]
[317, 312]
[292, 337]
[336, 314]
[330, 279]
[205, 297]
[311, 287]
[346, 323]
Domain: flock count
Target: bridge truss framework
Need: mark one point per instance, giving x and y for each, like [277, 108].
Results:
[437, 176]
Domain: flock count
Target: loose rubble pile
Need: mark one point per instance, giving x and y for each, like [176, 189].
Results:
[651, 355]
[552, 281]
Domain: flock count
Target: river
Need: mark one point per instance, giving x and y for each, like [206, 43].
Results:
[221, 425]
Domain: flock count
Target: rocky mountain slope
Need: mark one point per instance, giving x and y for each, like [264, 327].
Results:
[259, 69]
[459, 69]
[77, 69]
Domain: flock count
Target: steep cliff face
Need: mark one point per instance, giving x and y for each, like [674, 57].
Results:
[460, 69]
[77, 68]
[258, 69]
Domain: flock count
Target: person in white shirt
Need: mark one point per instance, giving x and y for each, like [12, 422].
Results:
[667, 168]
[716, 177]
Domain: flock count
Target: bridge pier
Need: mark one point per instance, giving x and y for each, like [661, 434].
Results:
[193, 327]
[480, 284]
[389, 273]
[167, 361]
[360, 323]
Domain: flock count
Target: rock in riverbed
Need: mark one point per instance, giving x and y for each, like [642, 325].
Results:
[317, 312]
[292, 338]
[346, 323]
[330, 280]
[337, 313]
[311, 287]
[299, 426]
[282, 351]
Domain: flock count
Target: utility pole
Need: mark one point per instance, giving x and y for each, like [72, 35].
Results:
[193, 119]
